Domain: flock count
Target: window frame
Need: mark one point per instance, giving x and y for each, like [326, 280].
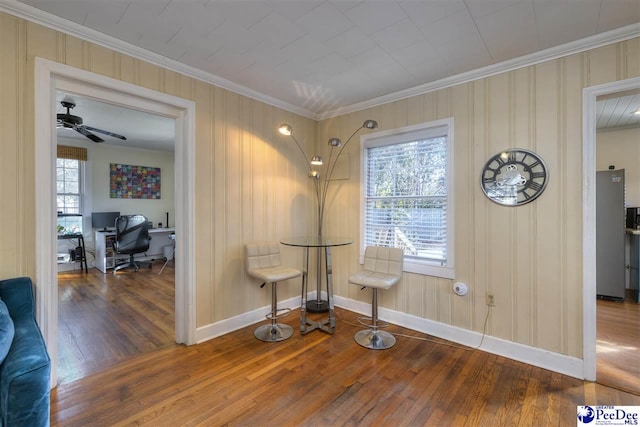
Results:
[65, 217]
[409, 134]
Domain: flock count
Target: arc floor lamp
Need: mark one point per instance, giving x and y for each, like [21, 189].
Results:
[321, 173]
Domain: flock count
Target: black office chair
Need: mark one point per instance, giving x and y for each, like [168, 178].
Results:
[132, 237]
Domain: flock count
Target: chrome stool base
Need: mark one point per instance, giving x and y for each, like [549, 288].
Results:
[273, 332]
[375, 339]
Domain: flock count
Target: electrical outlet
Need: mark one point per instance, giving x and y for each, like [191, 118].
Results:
[491, 299]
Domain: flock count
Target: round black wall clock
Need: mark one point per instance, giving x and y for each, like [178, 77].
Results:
[514, 177]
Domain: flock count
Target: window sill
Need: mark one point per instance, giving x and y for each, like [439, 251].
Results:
[428, 269]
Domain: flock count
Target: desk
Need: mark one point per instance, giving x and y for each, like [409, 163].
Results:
[83, 252]
[327, 325]
[106, 258]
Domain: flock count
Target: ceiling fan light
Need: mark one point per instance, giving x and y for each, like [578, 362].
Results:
[316, 160]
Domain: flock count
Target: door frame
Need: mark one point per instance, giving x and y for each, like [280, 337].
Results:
[589, 97]
[51, 76]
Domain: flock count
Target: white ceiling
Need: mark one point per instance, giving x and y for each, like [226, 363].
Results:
[618, 111]
[321, 57]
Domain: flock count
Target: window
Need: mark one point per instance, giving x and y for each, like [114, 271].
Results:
[69, 172]
[407, 194]
[68, 184]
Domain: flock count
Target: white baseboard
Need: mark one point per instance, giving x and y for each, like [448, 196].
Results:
[556, 362]
[68, 266]
[541, 358]
[213, 330]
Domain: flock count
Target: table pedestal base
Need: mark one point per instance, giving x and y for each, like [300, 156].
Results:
[327, 325]
[315, 306]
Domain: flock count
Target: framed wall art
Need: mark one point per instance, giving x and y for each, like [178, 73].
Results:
[134, 182]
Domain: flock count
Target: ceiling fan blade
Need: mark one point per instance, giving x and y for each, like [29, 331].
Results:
[106, 132]
[65, 124]
[82, 130]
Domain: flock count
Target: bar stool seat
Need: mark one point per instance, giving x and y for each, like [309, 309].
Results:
[382, 269]
[263, 263]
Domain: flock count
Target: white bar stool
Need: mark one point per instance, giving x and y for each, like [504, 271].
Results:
[382, 269]
[263, 262]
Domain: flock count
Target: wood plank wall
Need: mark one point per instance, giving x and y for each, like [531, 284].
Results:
[251, 184]
[530, 257]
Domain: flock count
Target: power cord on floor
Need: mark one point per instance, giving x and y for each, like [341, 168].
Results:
[384, 324]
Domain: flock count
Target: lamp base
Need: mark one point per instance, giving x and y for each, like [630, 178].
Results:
[317, 306]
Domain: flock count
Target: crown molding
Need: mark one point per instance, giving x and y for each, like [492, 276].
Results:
[577, 46]
[32, 14]
[21, 10]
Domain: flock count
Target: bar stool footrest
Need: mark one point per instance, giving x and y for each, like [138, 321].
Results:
[280, 313]
[363, 319]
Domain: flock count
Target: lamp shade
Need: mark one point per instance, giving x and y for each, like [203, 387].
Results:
[285, 129]
[322, 175]
[370, 124]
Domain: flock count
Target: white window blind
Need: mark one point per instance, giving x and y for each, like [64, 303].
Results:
[406, 194]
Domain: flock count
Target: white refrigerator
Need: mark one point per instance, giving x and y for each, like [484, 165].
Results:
[610, 234]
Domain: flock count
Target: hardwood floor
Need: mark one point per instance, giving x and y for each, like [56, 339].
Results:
[316, 380]
[618, 344]
[104, 319]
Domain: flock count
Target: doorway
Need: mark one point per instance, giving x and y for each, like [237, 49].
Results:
[51, 76]
[590, 309]
[104, 319]
[618, 187]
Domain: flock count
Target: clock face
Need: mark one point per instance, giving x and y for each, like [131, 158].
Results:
[514, 177]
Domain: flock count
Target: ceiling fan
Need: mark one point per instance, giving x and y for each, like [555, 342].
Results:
[70, 121]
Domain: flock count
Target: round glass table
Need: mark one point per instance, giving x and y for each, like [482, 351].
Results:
[318, 305]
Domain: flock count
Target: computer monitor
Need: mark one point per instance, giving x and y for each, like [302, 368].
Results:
[104, 220]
